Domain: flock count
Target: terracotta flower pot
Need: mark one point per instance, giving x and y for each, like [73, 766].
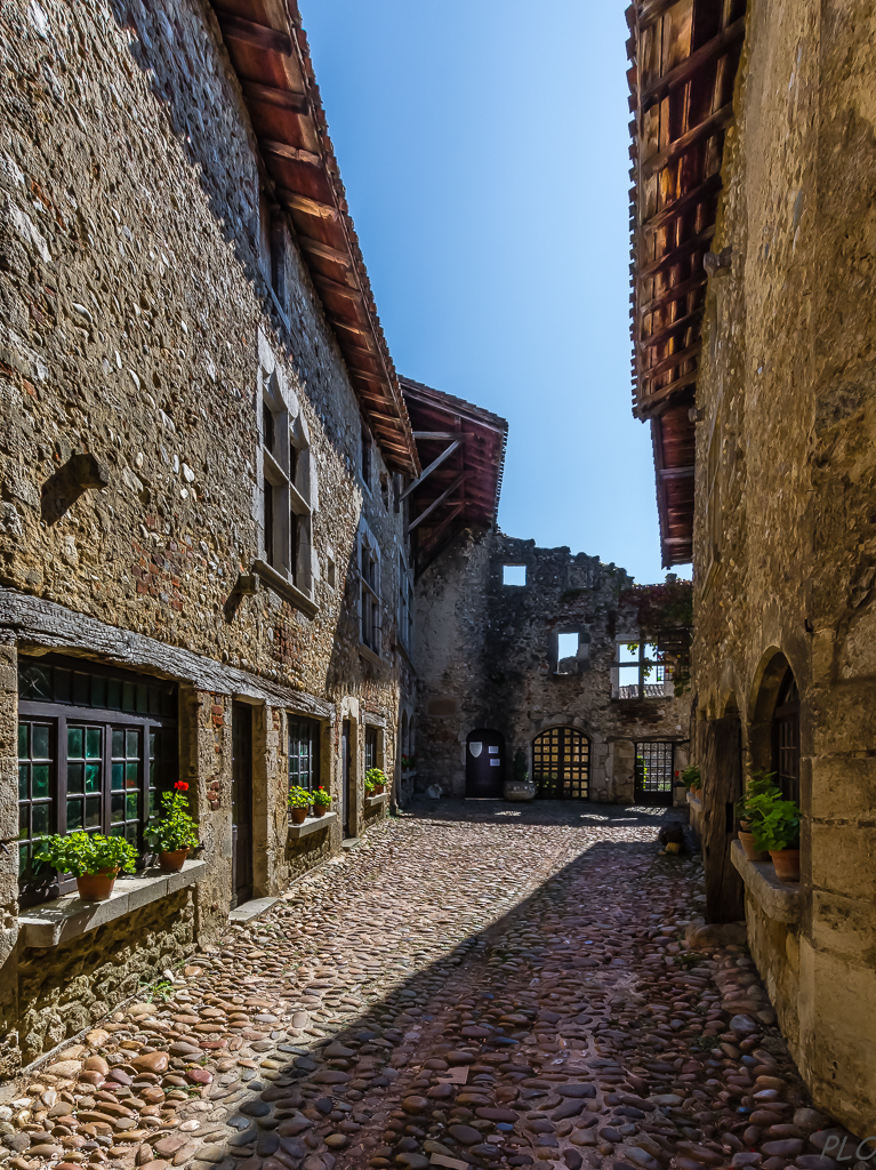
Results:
[379, 790]
[749, 848]
[787, 864]
[319, 810]
[171, 860]
[298, 815]
[96, 887]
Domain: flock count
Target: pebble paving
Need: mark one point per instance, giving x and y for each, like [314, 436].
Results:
[473, 985]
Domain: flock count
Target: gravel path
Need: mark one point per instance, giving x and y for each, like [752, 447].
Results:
[474, 985]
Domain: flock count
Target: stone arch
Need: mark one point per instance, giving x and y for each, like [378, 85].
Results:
[770, 679]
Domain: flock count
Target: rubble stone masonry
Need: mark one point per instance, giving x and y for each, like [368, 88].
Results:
[784, 538]
[137, 325]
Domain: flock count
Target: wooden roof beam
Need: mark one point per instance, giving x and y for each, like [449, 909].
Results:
[671, 361]
[684, 71]
[284, 99]
[668, 259]
[433, 466]
[307, 206]
[436, 503]
[710, 126]
[688, 202]
[249, 32]
[667, 330]
[655, 403]
[674, 293]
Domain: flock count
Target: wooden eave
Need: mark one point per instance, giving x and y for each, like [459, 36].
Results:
[684, 55]
[467, 446]
[268, 50]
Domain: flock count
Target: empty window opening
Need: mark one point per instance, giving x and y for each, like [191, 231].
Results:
[568, 645]
[514, 574]
[641, 672]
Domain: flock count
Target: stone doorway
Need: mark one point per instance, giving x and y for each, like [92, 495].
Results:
[484, 763]
[241, 803]
[561, 764]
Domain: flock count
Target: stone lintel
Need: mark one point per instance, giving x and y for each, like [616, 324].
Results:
[777, 900]
[63, 919]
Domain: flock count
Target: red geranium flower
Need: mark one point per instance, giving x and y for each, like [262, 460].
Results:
[181, 786]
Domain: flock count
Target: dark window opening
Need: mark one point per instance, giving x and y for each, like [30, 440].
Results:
[370, 748]
[786, 738]
[303, 752]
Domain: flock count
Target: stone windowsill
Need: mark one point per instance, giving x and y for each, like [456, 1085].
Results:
[374, 801]
[370, 655]
[51, 923]
[310, 825]
[284, 587]
[777, 900]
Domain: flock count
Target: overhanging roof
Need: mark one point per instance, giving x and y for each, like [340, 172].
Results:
[684, 55]
[268, 49]
[462, 451]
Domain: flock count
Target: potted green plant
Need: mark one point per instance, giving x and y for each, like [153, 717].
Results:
[93, 859]
[173, 832]
[321, 801]
[375, 781]
[299, 803]
[519, 787]
[759, 783]
[776, 828]
[691, 778]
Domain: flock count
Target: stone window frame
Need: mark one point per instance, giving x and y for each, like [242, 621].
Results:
[660, 688]
[515, 584]
[285, 468]
[370, 604]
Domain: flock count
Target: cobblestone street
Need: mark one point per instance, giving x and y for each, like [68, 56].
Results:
[472, 985]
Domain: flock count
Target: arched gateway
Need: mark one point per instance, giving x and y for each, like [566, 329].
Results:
[561, 764]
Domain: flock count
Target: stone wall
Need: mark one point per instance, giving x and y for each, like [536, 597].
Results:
[78, 983]
[486, 659]
[138, 326]
[784, 536]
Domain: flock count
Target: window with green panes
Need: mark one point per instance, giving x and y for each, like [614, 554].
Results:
[96, 748]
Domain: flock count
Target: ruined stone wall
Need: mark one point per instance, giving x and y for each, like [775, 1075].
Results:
[486, 659]
[135, 323]
[784, 537]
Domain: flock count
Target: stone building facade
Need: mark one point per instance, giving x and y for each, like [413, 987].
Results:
[532, 653]
[201, 545]
[783, 449]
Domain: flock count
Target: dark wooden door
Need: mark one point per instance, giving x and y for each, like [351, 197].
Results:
[485, 763]
[348, 809]
[241, 803]
[723, 787]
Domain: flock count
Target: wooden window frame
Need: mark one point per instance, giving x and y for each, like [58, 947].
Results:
[59, 715]
[301, 728]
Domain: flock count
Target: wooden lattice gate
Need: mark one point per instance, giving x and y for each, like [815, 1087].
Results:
[561, 764]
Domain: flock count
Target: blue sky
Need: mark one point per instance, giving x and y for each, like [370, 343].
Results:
[483, 146]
